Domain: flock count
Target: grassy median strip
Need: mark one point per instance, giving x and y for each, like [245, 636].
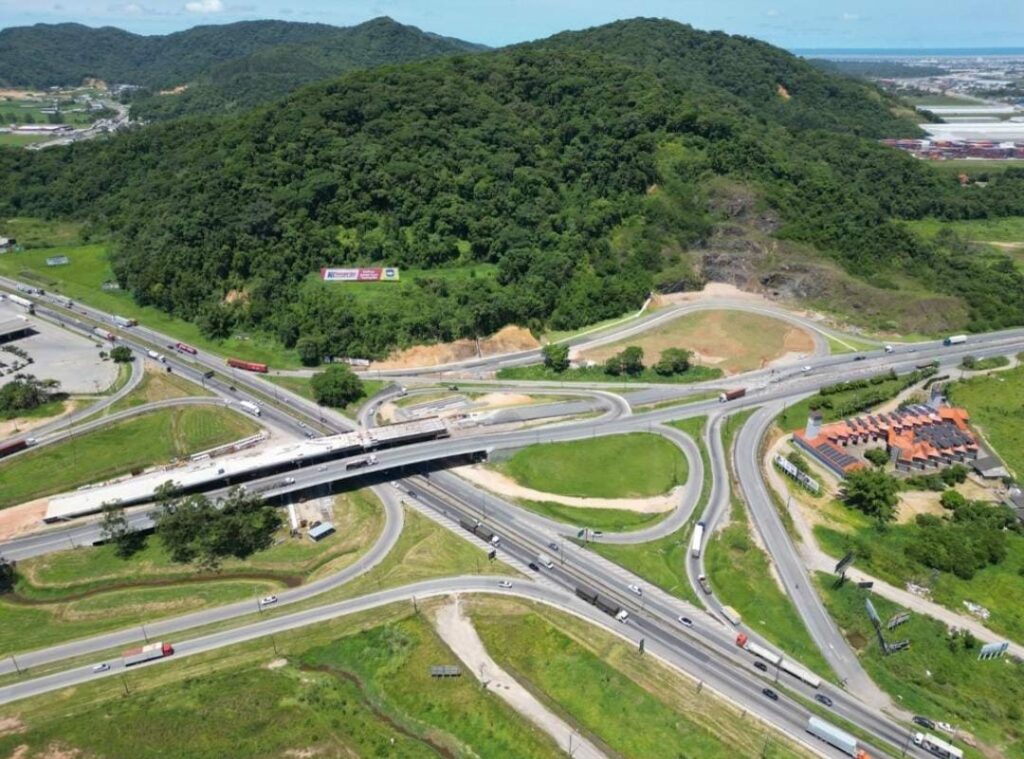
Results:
[635, 465]
[152, 438]
[663, 561]
[607, 520]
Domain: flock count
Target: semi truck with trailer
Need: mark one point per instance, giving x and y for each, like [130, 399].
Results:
[758, 650]
[251, 407]
[702, 580]
[545, 561]
[784, 664]
[955, 340]
[695, 542]
[185, 348]
[149, 652]
[157, 356]
[25, 303]
[29, 289]
[124, 321]
[362, 463]
[10, 447]
[731, 395]
[249, 366]
[106, 334]
[611, 608]
[835, 737]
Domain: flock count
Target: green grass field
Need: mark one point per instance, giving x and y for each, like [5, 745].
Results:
[794, 417]
[43, 411]
[117, 449]
[158, 386]
[360, 686]
[621, 700]
[607, 520]
[935, 677]
[89, 268]
[994, 402]
[938, 99]
[9, 140]
[357, 686]
[663, 561]
[364, 292]
[1006, 229]
[998, 588]
[615, 466]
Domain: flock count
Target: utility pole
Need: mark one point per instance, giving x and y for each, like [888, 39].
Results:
[124, 682]
[15, 662]
[144, 634]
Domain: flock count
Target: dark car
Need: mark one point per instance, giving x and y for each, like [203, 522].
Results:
[768, 692]
[821, 698]
[924, 722]
[859, 358]
[761, 666]
[534, 567]
[553, 546]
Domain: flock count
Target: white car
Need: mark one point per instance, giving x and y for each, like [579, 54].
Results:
[806, 369]
[944, 727]
[636, 589]
[504, 584]
[101, 667]
[267, 600]
[686, 622]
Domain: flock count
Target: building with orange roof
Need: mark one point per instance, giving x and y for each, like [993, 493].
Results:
[917, 438]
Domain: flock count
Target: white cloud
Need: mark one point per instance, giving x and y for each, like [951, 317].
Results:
[772, 12]
[205, 6]
[850, 16]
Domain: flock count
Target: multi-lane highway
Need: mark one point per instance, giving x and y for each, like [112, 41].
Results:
[707, 649]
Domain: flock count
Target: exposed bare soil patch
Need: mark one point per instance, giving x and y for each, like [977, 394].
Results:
[506, 340]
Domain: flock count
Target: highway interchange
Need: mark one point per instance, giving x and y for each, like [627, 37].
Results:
[707, 650]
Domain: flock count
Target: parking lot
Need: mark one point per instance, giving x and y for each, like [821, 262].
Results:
[56, 354]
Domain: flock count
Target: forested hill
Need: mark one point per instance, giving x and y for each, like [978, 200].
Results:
[272, 72]
[44, 55]
[551, 184]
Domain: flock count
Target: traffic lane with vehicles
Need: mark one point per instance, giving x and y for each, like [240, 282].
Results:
[796, 582]
[393, 524]
[574, 566]
[143, 339]
[784, 714]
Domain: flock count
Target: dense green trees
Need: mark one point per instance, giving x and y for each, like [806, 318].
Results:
[556, 356]
[121, 354]
[575, 168]
[974, 538]
[873, 492]
[194, 530]
[673, 361]
[114, 529]
[25, 393]
[336, 386]
[877, 456]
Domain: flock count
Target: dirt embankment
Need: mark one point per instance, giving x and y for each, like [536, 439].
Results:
[507, 340]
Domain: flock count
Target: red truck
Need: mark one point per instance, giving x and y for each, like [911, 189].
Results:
[731, 395]
[184, 348]
[249, 366]
[12, 446]
[146, 653]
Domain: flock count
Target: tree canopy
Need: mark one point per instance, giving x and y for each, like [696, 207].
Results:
[873, 492]
[336, 386]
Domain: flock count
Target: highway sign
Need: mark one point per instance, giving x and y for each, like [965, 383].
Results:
[844, 563]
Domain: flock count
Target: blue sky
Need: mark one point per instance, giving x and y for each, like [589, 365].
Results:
[789, 23]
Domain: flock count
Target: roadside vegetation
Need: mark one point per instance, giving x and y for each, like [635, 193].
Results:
[89, 590]
[628, 704]
[156, 437]
[849, 398]
[158, 386]
[994, 403]
[741, 574]
[302, 386]
[25, 395]
[542, 373]
[663, 561]
[634, 465]
[607, 520]
[939, 675]
[355, 686]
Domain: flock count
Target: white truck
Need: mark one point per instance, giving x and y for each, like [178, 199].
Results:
[696, 541]
[251, 407]
[937, 746]
[955, 340]
[157, 356]
[835, 737]
[545, 561]
[732, 615]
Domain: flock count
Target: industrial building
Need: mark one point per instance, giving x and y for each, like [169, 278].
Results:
[14, 329]
[917, 438]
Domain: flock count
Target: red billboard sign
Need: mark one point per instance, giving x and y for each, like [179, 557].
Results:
[386, 274]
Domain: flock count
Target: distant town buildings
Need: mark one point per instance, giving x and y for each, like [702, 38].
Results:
[943, 150]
